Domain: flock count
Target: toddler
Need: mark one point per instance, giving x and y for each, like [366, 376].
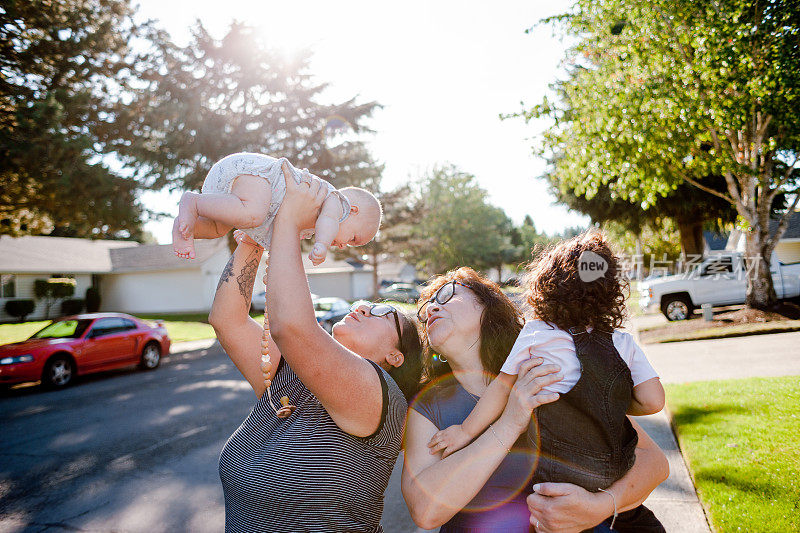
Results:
[245, 191]
[584, 437]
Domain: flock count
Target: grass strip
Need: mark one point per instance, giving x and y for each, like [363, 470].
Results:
[741, 439]
[722, 332]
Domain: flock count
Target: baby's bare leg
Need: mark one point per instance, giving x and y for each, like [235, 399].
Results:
[183, 227]
[246, 206]
[205, 228]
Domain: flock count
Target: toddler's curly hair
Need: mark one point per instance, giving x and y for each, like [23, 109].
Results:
[555, 293]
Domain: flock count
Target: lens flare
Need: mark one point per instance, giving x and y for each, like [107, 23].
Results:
[512, 479]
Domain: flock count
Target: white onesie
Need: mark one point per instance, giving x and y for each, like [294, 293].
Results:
[555, 346]
[222, 175]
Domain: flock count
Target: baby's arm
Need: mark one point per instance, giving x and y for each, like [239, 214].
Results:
[487, 410]
[648, 398]
[325, 229]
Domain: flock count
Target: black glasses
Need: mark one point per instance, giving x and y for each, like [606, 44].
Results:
[442, 296]
[382, 310]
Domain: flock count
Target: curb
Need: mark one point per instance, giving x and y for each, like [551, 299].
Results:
[190, 346]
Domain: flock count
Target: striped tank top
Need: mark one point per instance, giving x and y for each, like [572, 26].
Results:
[303, 473]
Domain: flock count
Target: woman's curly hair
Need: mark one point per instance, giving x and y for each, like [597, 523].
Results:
[501, 322]
[555, 293]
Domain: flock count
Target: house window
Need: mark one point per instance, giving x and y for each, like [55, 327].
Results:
[8, 286]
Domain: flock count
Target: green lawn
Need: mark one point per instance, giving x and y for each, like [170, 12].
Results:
[741, 439]
[181, 327]
[184, 327]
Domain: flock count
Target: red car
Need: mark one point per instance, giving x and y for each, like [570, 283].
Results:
[83, 344]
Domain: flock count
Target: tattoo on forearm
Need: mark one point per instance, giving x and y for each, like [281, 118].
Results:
[248, 276]
[227, 272]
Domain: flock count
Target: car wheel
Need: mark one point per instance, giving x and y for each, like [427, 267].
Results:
[151, 356]
[58, 372]
[677, 308]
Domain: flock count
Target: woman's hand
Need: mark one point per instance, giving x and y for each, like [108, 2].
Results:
[303, 200]
[567, 508]
[527, 395]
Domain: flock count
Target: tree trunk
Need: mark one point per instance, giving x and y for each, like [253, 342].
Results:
[500, 273]
[691, 237]
[760, 290]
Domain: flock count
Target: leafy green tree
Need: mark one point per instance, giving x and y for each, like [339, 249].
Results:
[198, 103]
[61, 66]
[401, 210]
[690, 208]
[665, 91]
[458, 226]
[527, 241]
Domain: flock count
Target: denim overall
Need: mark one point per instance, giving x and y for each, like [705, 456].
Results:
[585, 437]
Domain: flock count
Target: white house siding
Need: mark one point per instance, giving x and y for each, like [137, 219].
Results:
[24, 290]
[362, 285]
[173, 291]
[788, 251]
[331, 284]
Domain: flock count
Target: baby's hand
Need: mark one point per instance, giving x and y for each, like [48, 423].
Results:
[318, 253]
[241, 237]
[449, 440]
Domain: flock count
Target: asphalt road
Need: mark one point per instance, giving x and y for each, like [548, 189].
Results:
[130, 450]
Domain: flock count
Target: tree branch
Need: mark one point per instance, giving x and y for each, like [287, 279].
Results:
[783, 224]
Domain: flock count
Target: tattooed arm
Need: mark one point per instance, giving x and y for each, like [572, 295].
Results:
[240, 335]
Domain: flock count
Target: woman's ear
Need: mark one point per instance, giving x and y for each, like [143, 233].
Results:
[353, 209]
[395, 358]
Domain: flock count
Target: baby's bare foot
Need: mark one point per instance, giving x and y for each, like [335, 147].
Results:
[183, 228]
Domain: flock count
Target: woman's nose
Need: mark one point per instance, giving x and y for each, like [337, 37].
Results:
[362, 309]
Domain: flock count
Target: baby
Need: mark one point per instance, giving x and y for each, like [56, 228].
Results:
[584, 437]
[246, 190]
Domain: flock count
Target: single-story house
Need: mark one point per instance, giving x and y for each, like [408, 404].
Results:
[146, 278]
[788, 248]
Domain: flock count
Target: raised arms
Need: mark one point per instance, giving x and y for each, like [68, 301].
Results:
[240, 335]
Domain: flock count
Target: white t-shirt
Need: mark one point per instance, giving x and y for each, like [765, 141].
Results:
[555, 346]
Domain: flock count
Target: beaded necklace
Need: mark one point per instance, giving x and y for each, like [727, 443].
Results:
[286, 408]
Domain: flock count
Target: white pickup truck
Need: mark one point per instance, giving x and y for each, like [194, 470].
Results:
[721, 279]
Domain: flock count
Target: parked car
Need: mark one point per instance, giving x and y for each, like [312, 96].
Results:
[259, 300]
[83, 344]
[401, 292]
[720, 279]
[329, 311]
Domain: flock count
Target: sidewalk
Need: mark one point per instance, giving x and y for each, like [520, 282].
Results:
[675, 501]
[190, 346]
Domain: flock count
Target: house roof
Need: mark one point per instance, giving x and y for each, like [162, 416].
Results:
[792, 230]
[57, 254]
[162, 257]
[35, 254]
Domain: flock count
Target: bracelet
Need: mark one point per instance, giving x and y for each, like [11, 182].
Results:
[614, 499]
[507, 449]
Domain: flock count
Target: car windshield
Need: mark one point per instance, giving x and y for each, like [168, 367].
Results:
[63, 329]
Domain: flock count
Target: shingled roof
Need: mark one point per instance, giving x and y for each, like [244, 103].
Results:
[792, 231]
[83, 256]
[57, 254]
[162, 257]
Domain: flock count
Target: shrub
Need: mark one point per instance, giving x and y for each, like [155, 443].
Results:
[73, 306]
[92, 300]
[20, 308]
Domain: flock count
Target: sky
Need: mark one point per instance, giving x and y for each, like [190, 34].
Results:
[444, 71]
